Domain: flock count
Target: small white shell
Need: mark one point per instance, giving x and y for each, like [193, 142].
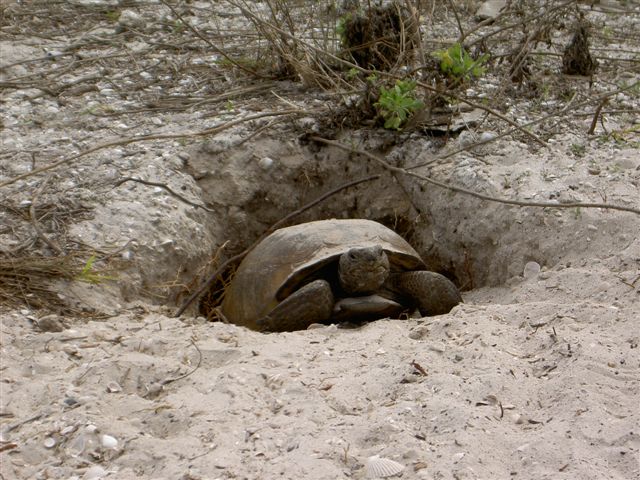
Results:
[90, 428]
[49, 442]
[113, 387]
[487, 136]
[380, 467]
[68, 429]
[109, 442]
[266, 163]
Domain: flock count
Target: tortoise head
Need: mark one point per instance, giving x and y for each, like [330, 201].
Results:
[363, 270]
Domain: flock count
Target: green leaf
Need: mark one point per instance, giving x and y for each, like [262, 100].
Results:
[397, 104]
[459, 64]
[87, 275]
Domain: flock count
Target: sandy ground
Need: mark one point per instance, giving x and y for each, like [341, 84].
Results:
[534, 376]
[544, 385]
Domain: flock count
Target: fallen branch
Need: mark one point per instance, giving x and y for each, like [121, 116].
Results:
[165, 187]
[34, 219]
[563, 110]
[520, 203]
[524, 22]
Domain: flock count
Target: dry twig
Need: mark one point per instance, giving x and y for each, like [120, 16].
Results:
[520, 203]
[165, 187]
[171, 380]
[34, 219]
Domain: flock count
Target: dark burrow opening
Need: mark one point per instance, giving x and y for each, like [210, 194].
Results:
[472, 242]
[256, 186]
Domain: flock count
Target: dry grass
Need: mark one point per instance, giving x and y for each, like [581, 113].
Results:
[27, 280]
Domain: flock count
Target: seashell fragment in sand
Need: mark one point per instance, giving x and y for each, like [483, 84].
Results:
[109, 442]
[113, 387]
[380, 467]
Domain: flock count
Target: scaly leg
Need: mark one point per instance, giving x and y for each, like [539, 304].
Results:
[312, 303]
[432, 293]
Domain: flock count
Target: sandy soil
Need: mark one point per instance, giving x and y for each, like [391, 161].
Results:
[535, 376]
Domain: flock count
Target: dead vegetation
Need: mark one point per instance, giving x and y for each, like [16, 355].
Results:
[27, 280]
[577, 59]
[41, 253]
[382, 37]
[212, 58]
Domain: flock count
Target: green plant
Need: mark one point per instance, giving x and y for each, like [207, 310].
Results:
[456, 62]
[352, 73]
[578, 150]
[112, 15]
[178, 27]
[341, 28]
[243, 61]
[577, 214]
[397, 104]
[624, 136]
[87, 274]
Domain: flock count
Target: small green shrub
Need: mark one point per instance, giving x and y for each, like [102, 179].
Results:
[352, 73]
[178, 27]
[578, 150]
[341, 28]
[112, 15]
[88, 275]
[456, 62]
[397, 104]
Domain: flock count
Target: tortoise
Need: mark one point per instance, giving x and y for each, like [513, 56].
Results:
[333, 271]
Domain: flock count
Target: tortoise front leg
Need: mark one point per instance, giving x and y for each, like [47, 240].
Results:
[312, 303]
[432, 293]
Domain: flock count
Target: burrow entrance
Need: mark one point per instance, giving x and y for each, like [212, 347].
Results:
[474, 243]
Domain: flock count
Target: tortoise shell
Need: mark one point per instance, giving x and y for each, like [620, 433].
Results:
[291, 256]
